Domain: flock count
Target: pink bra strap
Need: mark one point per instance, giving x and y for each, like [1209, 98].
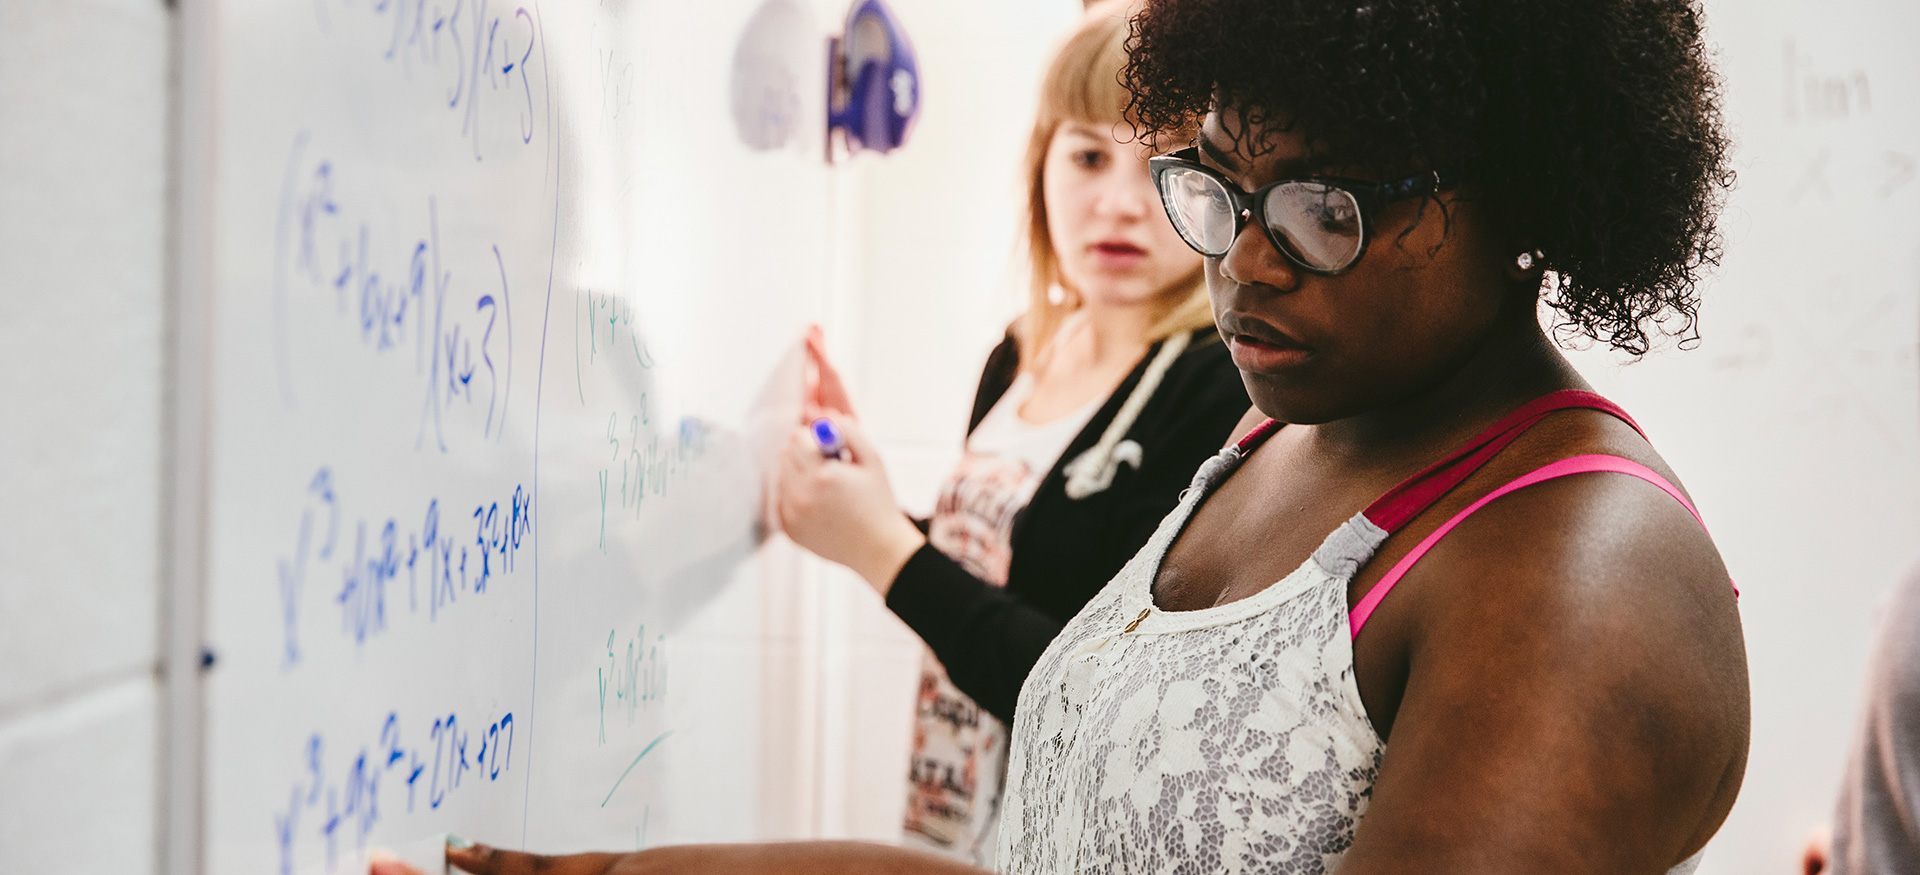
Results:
[1257, 437]
[1550, 471]
[1417, 493]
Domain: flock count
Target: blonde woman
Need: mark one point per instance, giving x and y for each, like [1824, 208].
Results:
[1091, 417]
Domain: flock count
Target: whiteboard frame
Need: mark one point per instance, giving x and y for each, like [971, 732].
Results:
[182, 796]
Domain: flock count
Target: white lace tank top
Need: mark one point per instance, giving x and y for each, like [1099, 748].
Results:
[1230, 739]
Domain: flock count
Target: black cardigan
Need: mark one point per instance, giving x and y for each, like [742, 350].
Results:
[1065, 550]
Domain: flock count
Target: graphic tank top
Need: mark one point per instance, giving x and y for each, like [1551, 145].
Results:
[959, 750]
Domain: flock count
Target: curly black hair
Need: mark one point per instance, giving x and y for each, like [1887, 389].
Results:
[1595, 124]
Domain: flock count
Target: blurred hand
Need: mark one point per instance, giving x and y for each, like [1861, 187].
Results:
[483, 860]
[826, 395]
[844, 510]
[1817, 856]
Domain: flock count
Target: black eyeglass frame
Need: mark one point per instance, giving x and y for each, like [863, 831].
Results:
[1369, 197]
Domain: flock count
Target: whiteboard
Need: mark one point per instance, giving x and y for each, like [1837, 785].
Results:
[504, 301]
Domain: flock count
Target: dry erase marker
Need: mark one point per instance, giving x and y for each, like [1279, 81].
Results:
[832, 445]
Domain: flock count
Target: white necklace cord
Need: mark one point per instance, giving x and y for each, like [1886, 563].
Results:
[1092, 471]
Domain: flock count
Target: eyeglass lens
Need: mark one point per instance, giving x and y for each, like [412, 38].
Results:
[1201, 210]
[1318, 224]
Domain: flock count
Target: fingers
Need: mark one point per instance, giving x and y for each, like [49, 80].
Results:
[810, 390]
[381, 863]
[833, 393]
[815, 346]
[826, 392]
[863, 451]
[483, 860]
[801, 454]
[1817, 854]
[800, 459]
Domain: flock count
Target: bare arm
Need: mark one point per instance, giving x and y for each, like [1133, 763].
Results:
[1576, 693]
[777, 858]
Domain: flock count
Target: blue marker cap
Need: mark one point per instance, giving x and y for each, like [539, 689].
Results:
[831, 444]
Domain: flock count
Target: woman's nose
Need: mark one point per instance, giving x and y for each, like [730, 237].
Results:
[1127, 198]
[1252, 260]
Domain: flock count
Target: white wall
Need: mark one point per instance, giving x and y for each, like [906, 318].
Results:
[83, 205]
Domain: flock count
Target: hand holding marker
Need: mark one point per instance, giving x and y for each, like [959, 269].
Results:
[832, 445]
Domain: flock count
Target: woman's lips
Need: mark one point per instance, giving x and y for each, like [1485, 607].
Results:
[1257, 346]
[1261, 356]
[1117, 254]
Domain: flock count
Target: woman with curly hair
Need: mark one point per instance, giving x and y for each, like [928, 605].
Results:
[1440, 608]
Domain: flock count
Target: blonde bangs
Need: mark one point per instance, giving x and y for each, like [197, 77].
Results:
[1083, 82]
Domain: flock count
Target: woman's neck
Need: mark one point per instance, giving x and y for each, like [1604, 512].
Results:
[1516, 364]
[1115, 333]
[1091, 354]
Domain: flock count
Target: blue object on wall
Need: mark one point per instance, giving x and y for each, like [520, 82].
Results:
[873, 81]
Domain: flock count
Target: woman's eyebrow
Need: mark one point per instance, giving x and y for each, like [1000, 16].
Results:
[1082, 129]
[1218, 155]
[1286, 169]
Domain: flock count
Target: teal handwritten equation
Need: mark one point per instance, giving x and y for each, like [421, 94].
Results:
[634, 678]
[643, 463]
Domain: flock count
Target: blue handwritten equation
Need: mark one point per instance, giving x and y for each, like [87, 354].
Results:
[398, 293]
[335, 801]
[451, 551]
[481, 51]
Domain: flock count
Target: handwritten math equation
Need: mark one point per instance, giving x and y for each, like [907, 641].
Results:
[481, 54]
[642, 463]
[399, 295]
[596, 313]
[634, 678]
[450, 551]
[341, 800]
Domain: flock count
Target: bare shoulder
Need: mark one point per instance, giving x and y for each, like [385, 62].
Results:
[1575, 685]
[1603, 568]
[1599, 560]
[1577, 554]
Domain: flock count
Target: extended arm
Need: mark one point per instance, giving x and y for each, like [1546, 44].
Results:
[777, 858]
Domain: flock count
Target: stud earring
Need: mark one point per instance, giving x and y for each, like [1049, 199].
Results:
[1527, 260]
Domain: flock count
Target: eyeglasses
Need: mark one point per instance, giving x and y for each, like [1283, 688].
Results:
[1320, 224]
